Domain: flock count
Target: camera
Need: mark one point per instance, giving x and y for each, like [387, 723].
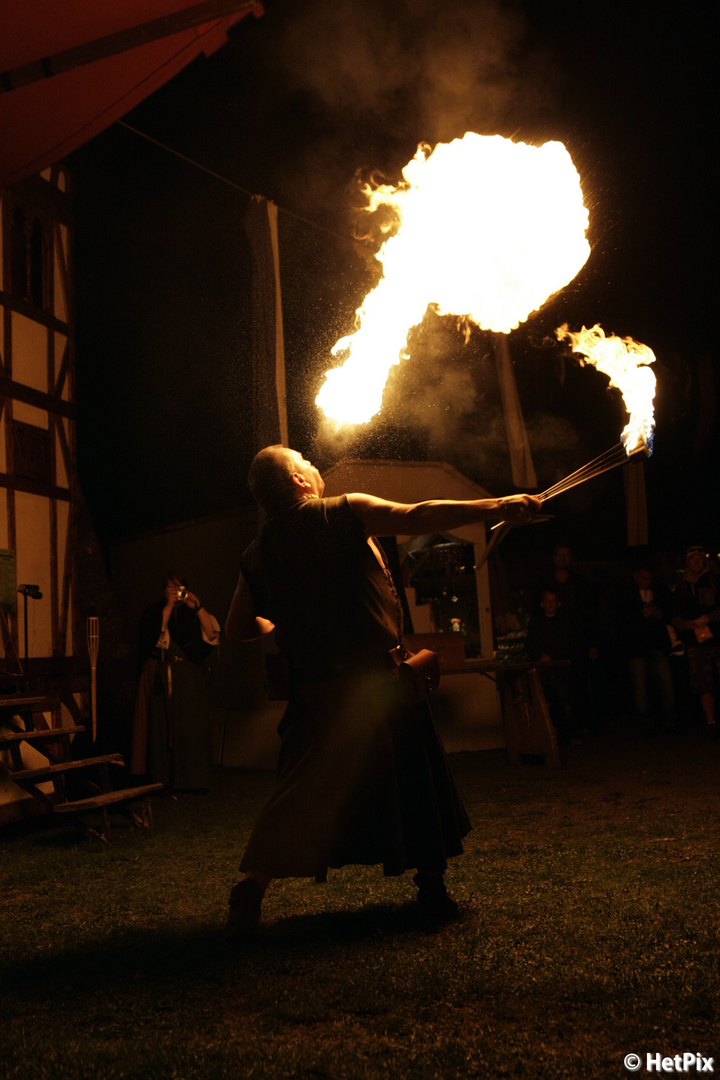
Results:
[182, 593]
[33, 591]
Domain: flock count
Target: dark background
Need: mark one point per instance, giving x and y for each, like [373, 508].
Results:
[292, 108]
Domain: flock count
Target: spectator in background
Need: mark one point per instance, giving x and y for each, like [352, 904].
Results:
[696, 615]
[549, 638]
[579, 600]
[579, 603]
[648, 638]
[171, 731]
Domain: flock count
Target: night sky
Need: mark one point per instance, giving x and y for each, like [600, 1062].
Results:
[292, 108]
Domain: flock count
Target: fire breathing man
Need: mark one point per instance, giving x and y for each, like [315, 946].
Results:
[362, 777]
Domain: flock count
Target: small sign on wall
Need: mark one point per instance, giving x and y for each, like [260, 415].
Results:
[8, 581]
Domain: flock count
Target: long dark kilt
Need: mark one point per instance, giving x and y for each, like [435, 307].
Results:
[362, 778]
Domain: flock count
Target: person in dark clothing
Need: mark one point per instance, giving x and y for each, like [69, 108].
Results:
[644, 624]
[171, 730]
[362, 777]
[549, 637]
[579, 603]
[696, 618]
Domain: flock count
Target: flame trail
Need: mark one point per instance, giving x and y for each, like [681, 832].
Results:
[487, 229]
[625, 362]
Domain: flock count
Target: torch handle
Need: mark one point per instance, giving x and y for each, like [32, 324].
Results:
[93, 642]
[93, 700]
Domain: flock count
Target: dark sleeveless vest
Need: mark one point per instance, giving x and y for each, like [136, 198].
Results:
[312, 572]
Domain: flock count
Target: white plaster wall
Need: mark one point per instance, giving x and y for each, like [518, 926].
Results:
[29, 356]
[33, 567]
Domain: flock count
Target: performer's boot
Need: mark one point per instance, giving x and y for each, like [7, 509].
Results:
[244, 909]
[434, 901]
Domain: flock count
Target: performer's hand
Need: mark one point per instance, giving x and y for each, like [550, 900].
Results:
[192, 601]
[518, 509]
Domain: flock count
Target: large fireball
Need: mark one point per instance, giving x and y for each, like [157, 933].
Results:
[487, 229]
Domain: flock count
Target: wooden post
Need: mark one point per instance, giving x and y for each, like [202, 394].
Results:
[93, 640]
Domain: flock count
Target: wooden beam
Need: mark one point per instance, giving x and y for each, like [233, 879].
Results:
[30, 396]
[62, 263]
[54, 582]
[37, 193]
[67, 595]
[33, 487]
[130, 38]
[30, 311]
[63, 372]
[64, 448]
[13, 620]
[53, 421]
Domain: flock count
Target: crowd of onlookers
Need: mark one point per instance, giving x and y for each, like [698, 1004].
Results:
[644, 651]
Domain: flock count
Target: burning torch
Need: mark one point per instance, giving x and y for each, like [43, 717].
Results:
[626, 363]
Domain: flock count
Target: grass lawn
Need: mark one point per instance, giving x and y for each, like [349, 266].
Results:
[591, 902]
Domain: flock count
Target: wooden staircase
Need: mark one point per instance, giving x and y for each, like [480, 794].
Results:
[17, 717]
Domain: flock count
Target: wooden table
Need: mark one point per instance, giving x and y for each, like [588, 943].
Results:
[529, 731]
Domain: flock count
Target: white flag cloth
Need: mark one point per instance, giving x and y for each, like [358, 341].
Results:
[268, 359]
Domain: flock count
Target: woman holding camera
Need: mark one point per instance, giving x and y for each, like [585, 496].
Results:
[171, 733]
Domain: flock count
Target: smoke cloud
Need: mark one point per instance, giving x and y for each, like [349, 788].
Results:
[443, 403]
[377, 79]
[448, 68]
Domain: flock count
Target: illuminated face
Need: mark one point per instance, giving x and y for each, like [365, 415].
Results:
[643, 578]
[308, 472]
[172, 585]
[550, 603]
[695, 560]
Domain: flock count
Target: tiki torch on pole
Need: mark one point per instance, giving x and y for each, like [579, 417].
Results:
[93, 642]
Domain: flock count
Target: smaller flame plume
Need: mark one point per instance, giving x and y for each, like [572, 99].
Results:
[625, 362]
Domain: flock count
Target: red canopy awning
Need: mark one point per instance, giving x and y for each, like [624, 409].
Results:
[44, 119]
